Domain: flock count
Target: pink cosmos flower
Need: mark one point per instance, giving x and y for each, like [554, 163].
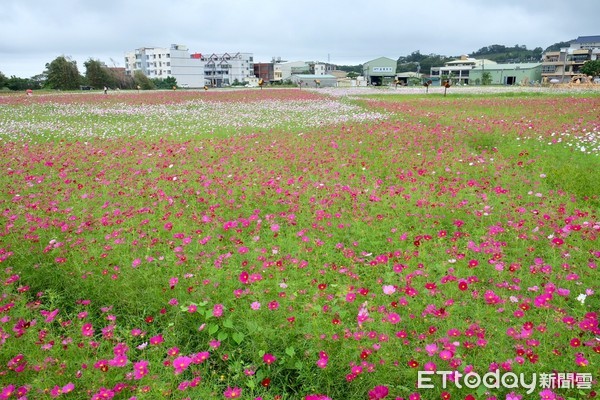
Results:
[322, 362]
[156, 340]
[181, 364]
[393, 318]
[232, 393]
[218, 310]
[87, 330]
[50, 315]
[140, 369]
[547, 394]
[118, 361]
[378, 392]
[389, 289]
[199, 358]
[269, 359]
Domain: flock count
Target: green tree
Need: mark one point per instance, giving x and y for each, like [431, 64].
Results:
[62, 74]
[351, 68]
[142, 81]
[166, 83]
[557, 46]
[3, 80]
[98, 75]
[15, 83]
[486, 78]
[591, 68]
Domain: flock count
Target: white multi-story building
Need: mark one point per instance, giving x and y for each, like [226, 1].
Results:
[159, 62]
[227, 68]
[152, 61]
[190, 70]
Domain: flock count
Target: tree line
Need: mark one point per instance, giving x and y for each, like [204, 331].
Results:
[63, 74]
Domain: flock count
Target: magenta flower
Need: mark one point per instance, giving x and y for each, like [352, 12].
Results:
[50, 315]
[140, 369]
[322, 362]
[232, 393]
[118, 361]
[393, 318]
[156, 340]
[547, 394]
[199, 358]
[87, 330]
[378, 392]
[218, 310]
[269, 359]
[181, 363]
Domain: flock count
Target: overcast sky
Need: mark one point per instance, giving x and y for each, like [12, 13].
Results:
[344, 32]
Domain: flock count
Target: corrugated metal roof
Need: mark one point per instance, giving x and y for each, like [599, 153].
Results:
[510, 66]
[587, 39]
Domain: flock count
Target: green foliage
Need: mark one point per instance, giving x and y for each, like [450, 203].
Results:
[98, 75]
[142, 81]
[503, 54]
[351, 68]
[591, 68]
[3, 80]
[15, 83]
[63, 74]
[167, 83]
[486, 78]
[411, 62]
[558, 46]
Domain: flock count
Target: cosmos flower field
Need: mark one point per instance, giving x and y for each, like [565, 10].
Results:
[296, 244]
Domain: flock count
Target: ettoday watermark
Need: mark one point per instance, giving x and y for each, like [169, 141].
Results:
[506, 380]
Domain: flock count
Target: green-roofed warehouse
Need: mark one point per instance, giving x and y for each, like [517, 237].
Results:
[507, 74]
[380, 71]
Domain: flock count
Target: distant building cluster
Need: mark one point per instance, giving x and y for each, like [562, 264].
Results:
[217, 70]
[195, 70]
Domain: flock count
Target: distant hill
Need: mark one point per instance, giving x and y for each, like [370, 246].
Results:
[558, 46]
[503, 54]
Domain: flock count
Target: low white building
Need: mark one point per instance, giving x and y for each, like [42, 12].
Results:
[284, 70]
[458, 70]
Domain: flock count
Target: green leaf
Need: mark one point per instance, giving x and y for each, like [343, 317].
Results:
[260, 374]
[238, 337]
[228, 323]
[299, 365]
[290, 351]
[212, 329]
[222, 336]
[481, 390]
